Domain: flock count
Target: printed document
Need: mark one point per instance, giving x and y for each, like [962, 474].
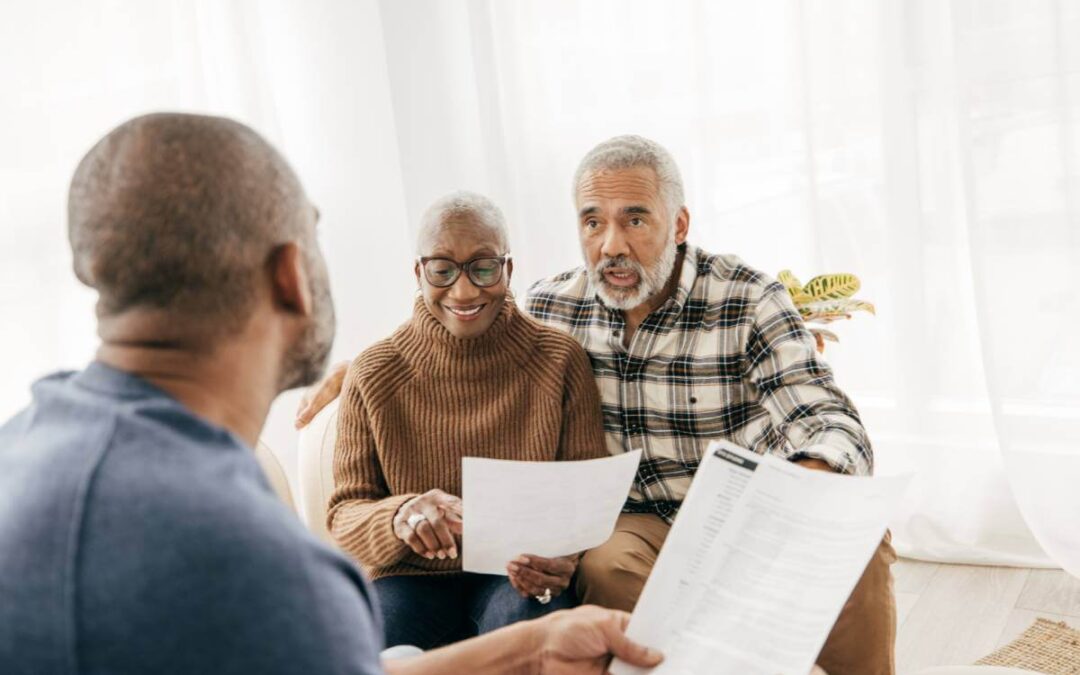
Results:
[547, 509]
[758, 565]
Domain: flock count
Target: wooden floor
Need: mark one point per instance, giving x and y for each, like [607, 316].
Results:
[955, 614]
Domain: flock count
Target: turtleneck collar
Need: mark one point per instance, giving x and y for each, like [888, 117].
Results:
[426, 343]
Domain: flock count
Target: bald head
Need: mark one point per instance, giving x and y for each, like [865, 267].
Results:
[180, 212]
[192, 229]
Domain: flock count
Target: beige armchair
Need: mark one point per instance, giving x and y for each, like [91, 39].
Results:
[275, 473]
[316, 474]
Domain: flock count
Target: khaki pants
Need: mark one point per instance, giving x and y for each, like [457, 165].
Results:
[861, 642]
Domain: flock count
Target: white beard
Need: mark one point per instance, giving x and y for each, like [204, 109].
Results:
[651, 280]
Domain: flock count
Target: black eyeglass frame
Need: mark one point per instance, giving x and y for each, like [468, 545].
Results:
[465, 267]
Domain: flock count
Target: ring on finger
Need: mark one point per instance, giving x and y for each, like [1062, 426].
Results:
[414, 520]
[545, 598]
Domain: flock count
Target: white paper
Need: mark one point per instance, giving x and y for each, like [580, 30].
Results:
[758, 564]
[547, 509]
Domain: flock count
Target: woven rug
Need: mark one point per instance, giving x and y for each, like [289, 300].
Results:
[1046, 647]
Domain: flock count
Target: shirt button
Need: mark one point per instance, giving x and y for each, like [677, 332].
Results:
[693, 399]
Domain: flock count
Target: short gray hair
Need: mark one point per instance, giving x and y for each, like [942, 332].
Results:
[458, 204]
[624, 152]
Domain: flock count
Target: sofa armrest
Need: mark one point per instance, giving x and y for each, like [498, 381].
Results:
[316, 458]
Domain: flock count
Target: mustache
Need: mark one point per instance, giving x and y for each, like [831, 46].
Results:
[619, 261]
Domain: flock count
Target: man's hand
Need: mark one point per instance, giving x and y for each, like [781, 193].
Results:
[571, 642]
[533, 575]
[321, 394]
[814, 463]
[582, 640]
[433, 535]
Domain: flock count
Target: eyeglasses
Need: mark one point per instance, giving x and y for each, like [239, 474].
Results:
[482, 271]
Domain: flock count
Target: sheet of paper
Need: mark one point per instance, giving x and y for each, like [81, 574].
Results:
[758, 564]
[539, 508]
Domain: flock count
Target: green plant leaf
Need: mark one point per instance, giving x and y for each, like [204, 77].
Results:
[834, 310]
[824, 317]
[789, 280]
[794, 288]
[861, 306]
[832, 287]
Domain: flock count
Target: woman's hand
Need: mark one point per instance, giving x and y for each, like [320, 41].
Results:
[435, 520]
[533, 575]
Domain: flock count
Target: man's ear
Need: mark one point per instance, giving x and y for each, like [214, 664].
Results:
[682, 225]
[509, 270]
[289, 281]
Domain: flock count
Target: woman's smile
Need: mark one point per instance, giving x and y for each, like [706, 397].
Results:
[465, 312]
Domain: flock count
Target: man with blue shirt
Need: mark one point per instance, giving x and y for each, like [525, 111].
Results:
[137, 532]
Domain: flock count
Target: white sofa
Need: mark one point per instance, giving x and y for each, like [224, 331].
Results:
[316, 469]
[313, 478]
[275, 473]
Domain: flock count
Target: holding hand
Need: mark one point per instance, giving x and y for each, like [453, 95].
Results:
[541, 577]
[571, 642]
[582, 640]
[429, 524]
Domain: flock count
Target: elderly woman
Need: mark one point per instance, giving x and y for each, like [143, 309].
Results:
[468, 375]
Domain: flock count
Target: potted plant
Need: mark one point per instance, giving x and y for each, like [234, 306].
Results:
[824, 299]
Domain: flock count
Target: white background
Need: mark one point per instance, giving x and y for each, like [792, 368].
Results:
[931, 147]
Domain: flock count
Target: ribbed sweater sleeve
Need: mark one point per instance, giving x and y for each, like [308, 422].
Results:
[361, 510]
[582, 432]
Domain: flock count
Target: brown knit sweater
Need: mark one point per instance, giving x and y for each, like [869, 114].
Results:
[417, 402]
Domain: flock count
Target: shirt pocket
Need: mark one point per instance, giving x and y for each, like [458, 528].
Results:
[710, 397]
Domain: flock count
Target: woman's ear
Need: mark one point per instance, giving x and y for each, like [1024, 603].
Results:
[290, 287]
[509, 270]
[416, 271]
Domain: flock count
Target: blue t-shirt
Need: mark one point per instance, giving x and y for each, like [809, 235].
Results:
[137, 538]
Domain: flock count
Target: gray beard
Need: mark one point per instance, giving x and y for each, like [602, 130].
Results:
[651, 280]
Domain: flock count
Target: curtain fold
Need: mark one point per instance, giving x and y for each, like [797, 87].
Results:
[1019, 77]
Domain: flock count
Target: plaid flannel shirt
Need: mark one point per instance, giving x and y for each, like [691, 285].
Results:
[726, 357]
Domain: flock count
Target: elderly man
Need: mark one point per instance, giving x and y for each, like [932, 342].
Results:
[137, 533]
[688, 347]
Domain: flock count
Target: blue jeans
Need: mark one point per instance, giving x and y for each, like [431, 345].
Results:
[431, 611]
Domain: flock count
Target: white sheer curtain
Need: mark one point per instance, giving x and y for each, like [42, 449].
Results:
[930, 147]
[1018, 116]
[311, 77]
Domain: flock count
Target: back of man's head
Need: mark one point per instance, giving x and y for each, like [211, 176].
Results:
[179, 212]
[187, 226]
